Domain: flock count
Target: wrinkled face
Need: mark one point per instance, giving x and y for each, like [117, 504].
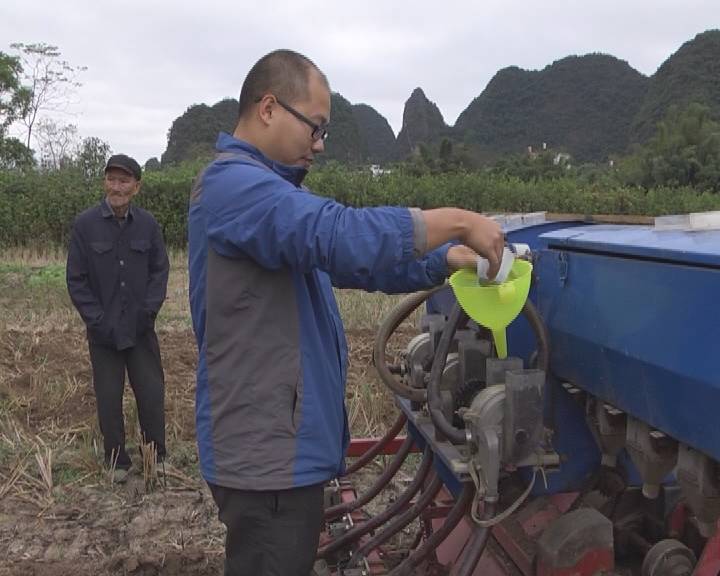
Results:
[292, 139]
[120, 187]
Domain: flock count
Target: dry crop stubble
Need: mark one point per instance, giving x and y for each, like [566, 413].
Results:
[54, 490]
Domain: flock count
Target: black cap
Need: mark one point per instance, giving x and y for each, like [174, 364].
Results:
[125, 163]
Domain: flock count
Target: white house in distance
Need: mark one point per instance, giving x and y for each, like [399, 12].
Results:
[377, 170]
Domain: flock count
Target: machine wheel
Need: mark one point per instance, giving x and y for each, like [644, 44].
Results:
[668, 558]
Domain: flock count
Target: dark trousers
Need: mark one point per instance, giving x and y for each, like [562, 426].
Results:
[270, 533]
[145, 373]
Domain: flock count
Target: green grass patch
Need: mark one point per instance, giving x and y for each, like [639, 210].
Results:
[50, 276]
[12, 268]
[65, 473]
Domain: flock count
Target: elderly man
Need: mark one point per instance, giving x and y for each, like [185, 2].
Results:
[117, 273]
[264, 255]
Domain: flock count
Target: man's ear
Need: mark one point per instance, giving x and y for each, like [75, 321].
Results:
[265, 108]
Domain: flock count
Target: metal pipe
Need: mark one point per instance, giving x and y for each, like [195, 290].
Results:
[462, 505]
[399, 522]
[406, 306]
[391, 511]
[378, 446]
[382, 481]
[455, 435]
[541, 335]
[458, 317]
[475, 546]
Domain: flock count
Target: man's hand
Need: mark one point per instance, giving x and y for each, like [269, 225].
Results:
[485, 236]
[477, 232]
[461, 257]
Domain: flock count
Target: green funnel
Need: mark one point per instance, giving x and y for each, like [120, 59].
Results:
[493, 306]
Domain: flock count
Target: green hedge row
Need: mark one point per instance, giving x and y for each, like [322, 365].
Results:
[39, 208]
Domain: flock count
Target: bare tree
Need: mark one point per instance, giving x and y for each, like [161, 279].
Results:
[50, 79]
[58, 143]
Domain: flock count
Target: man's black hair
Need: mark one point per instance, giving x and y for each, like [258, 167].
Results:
[284, 73]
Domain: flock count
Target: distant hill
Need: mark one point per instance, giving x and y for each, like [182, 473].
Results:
[195, 132]
[358, 133]
[423, 123]
[590, 106]
[692, 74]
[344, 142]
[581, 104]
[376, 135]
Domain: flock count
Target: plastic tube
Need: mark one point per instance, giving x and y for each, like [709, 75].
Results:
[379, 445]
[455, 435]
[475, 546]
[382, 481]
[462, 504]
[390, 512]
[399, 522]
[404, 308]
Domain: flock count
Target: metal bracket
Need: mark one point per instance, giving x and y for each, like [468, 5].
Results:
[562, 268]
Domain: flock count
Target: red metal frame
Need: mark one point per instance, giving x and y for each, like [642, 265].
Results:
[709, 564]
[515, 537]
[514, 551]
[517, 534]
[594, 562]
[514, 548]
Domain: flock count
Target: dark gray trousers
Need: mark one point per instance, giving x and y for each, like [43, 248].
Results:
[270, 532]
[144, 370]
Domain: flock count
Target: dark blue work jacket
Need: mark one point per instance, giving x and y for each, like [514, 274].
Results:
[117, 273]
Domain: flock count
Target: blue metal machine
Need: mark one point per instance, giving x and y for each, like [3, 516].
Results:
[634, 319]
[611, 395]
[633, 316]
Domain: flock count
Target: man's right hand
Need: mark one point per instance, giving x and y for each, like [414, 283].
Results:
[485, 236]
[478, 232]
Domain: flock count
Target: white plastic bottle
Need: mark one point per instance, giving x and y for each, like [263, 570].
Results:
[505, 266]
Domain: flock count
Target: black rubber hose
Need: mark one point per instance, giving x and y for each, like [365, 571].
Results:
[399, 522]
[398, 314]
[376, 448]
[475, 546]
[542, 357]
[390, 512]
[382, 481]
[455, 435]
[461, 507]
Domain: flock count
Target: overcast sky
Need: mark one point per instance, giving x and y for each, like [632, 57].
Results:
[147, 61]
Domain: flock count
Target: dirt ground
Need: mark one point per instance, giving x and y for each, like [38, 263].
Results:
[60, 513]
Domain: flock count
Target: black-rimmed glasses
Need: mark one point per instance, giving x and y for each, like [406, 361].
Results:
[319, 132]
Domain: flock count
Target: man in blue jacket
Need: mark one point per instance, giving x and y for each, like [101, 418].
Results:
[117, 273]
[264, 255]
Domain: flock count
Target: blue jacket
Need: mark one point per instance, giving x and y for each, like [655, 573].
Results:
[264, 254]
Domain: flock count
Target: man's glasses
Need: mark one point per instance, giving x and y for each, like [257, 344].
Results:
[319, 132]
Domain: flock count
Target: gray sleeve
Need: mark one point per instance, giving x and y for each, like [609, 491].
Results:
[419, 232]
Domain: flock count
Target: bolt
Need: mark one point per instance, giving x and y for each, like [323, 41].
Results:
[521, 436]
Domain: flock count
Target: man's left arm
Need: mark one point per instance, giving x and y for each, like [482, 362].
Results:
[158, 271]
